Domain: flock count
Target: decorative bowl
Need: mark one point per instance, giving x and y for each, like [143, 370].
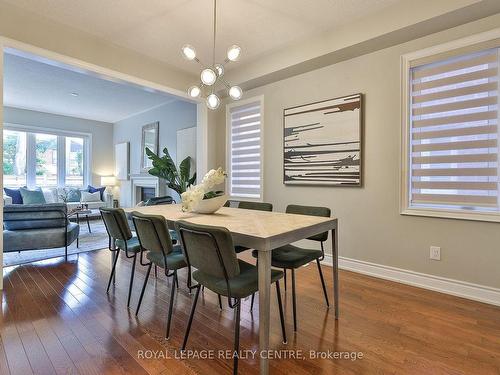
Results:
[209, 206]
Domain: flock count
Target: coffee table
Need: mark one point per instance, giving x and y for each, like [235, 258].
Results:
[79, 212]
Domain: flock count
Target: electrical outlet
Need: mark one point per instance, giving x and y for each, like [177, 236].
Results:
[435, 253]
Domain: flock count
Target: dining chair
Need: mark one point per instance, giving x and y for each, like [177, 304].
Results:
[155, 241]
[210, 250]
[293, 257]
[115, 222]
[156, 201]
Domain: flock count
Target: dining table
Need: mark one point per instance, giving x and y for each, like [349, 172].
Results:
[262, 231]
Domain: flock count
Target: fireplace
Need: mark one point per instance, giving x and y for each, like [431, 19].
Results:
[147, 192]
[145, 187]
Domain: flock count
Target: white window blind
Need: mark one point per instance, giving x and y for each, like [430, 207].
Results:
[454, 133]
[245, 178]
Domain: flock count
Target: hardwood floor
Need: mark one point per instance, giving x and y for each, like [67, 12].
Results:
[57, 319]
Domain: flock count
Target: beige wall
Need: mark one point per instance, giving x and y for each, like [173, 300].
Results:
[371, 228]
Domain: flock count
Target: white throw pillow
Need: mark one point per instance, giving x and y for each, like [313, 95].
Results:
[50, 195]
[90, 197]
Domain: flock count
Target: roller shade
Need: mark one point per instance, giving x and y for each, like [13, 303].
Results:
[245, 151]
[454, 132]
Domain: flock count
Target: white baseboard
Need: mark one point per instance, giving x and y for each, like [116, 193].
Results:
[458, 288]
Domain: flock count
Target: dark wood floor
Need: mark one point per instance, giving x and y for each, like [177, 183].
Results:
[57, 319]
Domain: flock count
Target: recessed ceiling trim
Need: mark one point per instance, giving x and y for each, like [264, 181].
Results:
[432, 25]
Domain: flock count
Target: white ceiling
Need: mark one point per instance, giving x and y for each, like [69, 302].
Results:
[47, 88]
[158, 28]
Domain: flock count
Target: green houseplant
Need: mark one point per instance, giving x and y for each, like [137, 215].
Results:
[164, 167]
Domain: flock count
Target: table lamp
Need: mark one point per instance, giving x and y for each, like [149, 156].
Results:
[109, 182]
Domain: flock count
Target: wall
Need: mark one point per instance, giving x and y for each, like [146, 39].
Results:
[102, 163]
[172, 116]
[371, 228]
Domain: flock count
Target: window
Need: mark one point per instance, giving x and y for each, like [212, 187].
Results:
[14, 158]
[74, 161]
[44, 159]
[244, 135]
[452, 165]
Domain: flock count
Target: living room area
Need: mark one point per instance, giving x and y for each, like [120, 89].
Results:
[61, 126]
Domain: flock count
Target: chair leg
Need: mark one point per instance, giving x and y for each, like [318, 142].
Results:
[131, 280]
[323, 282]
[294, 302]
[284, 273]
[193, 308]
[143, 289]
[236, 337]
[176, 279]
[156, 271]
[220, 301]
[111, 276]
[252, 301]
[280, 307]
[170, 308]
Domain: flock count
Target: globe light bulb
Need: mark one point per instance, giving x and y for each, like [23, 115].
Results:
[233, 53]
[219, 69]
[194, 91]
[213, 101]
[208, 76]
[235, 92]
[188, 52]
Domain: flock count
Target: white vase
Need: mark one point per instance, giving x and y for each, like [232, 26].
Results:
[209, 206]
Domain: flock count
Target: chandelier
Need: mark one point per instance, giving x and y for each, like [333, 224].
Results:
[213, 75]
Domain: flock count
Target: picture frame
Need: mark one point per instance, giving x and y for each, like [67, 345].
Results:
[323, 142]
[149, 139]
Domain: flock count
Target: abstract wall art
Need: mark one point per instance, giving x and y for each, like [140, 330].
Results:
[322, 142]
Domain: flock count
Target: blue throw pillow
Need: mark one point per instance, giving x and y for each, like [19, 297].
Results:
[92, 189]
[15, 194]
[32, 196]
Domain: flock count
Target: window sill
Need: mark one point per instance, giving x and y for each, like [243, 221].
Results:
[452, 214]
[243, 198]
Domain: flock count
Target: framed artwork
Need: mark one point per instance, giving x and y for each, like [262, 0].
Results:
[322, 143]
[122, 161]
[149, 140]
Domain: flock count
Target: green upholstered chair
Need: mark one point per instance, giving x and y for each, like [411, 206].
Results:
[158, 201]
[292, 257]
[155, 241]
[210, 251]
[259, 206]
[119, 232]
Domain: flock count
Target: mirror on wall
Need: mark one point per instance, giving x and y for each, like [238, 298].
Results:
[150, 140]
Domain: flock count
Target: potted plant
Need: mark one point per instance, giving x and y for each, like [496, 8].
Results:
[201, 198]
[164, 167]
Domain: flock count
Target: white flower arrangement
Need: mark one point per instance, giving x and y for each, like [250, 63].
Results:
[196, 193]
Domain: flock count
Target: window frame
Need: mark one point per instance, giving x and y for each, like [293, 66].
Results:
[260, 99]
[405, 163]
[61, 152]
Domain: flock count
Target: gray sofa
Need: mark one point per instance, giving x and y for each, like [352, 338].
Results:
[53, 195]
[37, 226]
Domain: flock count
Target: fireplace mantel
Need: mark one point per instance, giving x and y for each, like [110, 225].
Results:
[139, 181]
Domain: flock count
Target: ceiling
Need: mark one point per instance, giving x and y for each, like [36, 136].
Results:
[46, 87]
[158, 28]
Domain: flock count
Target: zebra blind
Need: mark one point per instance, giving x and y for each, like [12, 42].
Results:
[245, 178]
[454, 133]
